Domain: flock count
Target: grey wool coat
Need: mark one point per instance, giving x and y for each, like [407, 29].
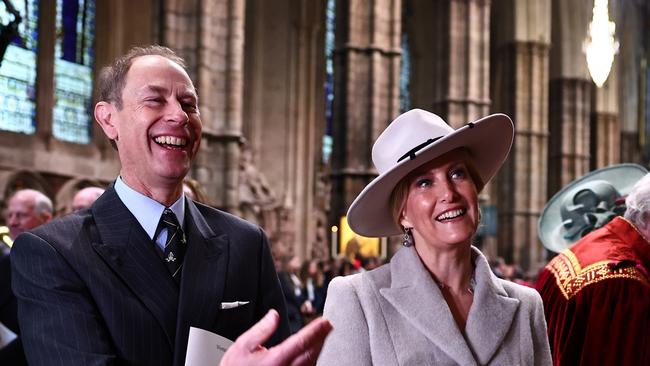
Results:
[396, 315]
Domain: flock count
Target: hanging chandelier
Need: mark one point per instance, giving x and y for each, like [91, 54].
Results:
[600, 45]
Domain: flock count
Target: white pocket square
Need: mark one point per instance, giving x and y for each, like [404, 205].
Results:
[232, 305]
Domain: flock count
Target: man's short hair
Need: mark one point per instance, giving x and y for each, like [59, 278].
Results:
[638, 204]
[113, 77]
[42, 203]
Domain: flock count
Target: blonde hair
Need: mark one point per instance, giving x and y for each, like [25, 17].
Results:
[401, 190]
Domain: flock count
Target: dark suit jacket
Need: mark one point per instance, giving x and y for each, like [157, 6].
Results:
[92, 290]
[11, 354]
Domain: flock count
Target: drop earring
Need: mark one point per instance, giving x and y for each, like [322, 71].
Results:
[408, 237]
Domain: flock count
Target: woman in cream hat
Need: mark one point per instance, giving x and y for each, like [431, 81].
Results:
[436, 302]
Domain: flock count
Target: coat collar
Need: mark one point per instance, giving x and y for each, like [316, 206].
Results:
[416, 296]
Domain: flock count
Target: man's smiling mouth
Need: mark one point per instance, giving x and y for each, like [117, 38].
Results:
[171, 141]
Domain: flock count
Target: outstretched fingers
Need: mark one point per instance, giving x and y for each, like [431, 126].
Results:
[302, 348]
[260, 332]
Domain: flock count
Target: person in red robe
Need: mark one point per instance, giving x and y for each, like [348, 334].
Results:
[596, 292]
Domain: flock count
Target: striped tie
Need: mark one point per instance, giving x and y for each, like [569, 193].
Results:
[175, 245]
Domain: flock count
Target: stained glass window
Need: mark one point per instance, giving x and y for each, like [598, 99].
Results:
[18, 69]
[73, 70]
[330, 18]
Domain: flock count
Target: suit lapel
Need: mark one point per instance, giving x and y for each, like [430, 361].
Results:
[128, 250]
[417, 298]
[203, 277]
[491, 314]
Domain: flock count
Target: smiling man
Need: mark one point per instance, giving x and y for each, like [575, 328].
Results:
[123, 282]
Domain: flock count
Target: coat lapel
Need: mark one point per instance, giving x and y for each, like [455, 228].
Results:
[418, 299]
[128, 250]
[491, 314]
[203, 278]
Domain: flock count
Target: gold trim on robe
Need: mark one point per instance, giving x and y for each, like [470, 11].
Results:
[571, 278]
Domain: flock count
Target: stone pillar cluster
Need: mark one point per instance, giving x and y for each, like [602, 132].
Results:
[520, 89]
[367, 61]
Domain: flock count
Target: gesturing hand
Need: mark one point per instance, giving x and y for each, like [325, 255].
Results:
[301, 349]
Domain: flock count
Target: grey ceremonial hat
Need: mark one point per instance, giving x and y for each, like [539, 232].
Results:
[585, 204]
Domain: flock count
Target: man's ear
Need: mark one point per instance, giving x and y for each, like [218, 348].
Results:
[104, 112]
[46, 216]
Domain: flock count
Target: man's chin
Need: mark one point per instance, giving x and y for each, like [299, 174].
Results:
[173, 173]
[174, 179]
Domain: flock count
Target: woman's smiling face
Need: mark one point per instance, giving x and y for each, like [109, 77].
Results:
[442, 202]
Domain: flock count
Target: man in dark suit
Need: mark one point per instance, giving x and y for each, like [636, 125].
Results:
[123, 281]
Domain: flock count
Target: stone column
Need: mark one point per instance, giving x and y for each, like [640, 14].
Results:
[283, 116]
[521, 31]
[570, 97]
[605, 123]
[308, 124]
[366, 91]
[450, 47]
[569, 118]
[210, 35]
[631, 62]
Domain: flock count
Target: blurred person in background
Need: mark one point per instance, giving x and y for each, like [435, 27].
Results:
[313, 281]
[85, 197]
[346, 268]
[296, 299]
[27, 209]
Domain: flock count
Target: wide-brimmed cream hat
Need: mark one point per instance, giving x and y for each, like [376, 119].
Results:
[586, 204]
[415, 138]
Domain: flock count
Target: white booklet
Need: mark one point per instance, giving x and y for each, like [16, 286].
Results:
[205, 348]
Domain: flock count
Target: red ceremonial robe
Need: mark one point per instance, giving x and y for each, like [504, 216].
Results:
[597, 299]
